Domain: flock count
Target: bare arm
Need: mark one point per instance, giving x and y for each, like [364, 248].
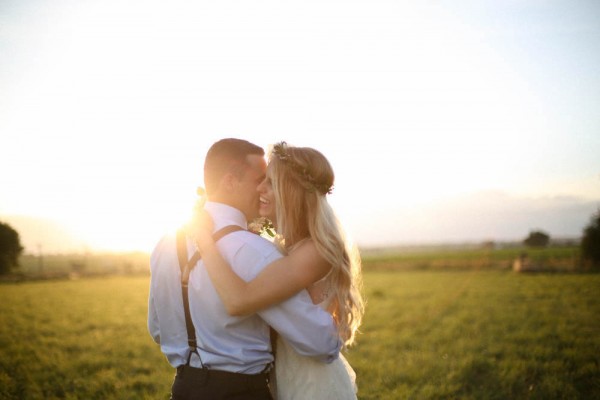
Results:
[277, 282]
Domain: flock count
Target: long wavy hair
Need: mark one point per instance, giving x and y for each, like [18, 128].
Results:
[301, 178]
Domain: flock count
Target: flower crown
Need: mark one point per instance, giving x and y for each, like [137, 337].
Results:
[312, 185]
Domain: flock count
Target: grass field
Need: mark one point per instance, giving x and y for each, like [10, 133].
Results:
[427, 335]
[550, 259]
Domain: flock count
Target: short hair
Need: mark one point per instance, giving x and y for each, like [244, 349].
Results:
[227, 156]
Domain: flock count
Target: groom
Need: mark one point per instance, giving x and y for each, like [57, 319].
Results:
[233, 354]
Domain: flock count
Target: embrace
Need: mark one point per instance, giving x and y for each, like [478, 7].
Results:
[243, 317]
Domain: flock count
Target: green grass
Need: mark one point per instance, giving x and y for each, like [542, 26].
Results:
[82, 339]
[554, 259]
[57, 265]
[426, 335]
[479, 335]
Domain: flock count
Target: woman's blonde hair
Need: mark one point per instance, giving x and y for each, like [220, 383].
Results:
[301, 178]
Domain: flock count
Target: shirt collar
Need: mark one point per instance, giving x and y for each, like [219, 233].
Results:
[223, 215]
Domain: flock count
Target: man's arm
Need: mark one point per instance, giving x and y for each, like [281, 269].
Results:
[153, 326]
[308, 328]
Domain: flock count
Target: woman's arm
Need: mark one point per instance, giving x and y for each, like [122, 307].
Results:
[277, 282]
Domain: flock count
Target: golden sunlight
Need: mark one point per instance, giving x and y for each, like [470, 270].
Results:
[136, 226]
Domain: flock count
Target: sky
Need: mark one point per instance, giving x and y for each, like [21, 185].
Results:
[444, 121]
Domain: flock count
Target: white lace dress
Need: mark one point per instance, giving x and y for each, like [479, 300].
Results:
[298, 377]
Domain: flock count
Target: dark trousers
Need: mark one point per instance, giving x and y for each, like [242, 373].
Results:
[202, 384]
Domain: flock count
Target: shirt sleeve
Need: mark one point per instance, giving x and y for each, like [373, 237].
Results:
[308, 328]
[153, 325]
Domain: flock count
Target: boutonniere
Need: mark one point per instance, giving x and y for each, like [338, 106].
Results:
[262, 226]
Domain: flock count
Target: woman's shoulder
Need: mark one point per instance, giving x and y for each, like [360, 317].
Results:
[304, 245]
[306, 255]
[306, 250]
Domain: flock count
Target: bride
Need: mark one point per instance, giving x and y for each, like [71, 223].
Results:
[293, 198]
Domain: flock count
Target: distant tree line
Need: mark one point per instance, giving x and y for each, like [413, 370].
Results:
[10, 248]
[590, 243]
[537, 239]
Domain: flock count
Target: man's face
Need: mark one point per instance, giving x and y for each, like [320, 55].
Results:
[248, 196]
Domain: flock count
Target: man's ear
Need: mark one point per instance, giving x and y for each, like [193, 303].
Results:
[228, 183]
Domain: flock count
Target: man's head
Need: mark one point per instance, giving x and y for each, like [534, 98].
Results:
[233, 168]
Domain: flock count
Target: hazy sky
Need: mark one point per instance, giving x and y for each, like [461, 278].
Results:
[445, 121]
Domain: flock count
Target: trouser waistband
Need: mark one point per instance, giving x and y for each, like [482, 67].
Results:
[222, 377]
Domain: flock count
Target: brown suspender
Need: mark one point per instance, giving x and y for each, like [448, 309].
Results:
[186, 266]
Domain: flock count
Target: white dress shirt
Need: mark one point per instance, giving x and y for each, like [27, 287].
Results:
[235, 344]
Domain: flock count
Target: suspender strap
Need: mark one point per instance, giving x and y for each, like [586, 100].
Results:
[186, 267]
[226, 231]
